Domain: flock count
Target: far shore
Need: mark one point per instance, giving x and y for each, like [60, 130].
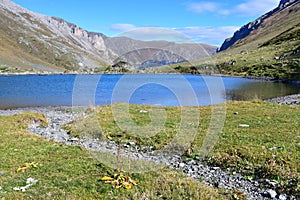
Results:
[137, 73]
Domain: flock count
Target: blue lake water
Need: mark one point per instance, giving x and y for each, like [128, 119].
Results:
[166, 90]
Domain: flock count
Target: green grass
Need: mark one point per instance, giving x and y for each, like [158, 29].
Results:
[68, 172]
[249, 150]
[246, 150]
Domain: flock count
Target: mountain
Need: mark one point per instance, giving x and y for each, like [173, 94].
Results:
[267, 21]
[31, 41]
[145, 54]
[268, 47]
[37, 43]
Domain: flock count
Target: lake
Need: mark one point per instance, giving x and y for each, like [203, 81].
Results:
[165, 90]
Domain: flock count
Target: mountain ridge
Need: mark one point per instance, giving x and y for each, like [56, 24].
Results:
[247, 29]
[37, 42]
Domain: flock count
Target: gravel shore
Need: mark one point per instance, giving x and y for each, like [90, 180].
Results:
[288, 100]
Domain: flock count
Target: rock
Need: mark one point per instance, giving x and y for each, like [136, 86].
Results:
[244, 125]
[1, 174]
[270, 193]
[181, 165]
[31, 181]
[131, 144]
[274, 184]
[143, 111]
[74, 139]
[192, 162]
[282, 197]
[288, 100]
[236, 113]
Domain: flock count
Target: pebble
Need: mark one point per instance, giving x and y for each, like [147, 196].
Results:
[181, 165]
[244, 125]
[282, 197]
[270, 193]
[287, 100]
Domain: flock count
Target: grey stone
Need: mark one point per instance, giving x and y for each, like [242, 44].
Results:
[131, 143]
[181, 165]
[73, 139]
[270, 193]
[282, 197]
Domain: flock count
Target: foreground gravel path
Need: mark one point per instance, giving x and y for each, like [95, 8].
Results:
[209, 175]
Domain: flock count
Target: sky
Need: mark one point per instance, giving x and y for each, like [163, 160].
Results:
[209, 21]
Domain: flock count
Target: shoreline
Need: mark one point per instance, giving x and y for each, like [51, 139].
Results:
[293, 99]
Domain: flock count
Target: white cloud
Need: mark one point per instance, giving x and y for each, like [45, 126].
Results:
[202, 34]
[202, 7]
[247, 8]
[255, 7]
[208, 35]
[155, 33]
[122, 27]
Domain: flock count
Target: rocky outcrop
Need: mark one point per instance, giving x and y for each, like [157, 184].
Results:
[247, 29]
[52, 42]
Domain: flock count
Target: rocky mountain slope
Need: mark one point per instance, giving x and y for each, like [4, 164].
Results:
[268, 47]
[251, 29]
[272, 48]
[31, 41]
[35, 42]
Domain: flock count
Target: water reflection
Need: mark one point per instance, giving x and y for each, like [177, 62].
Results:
[261, 90]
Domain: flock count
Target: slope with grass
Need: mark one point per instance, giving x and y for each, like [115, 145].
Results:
[68, 172]
[271, 49]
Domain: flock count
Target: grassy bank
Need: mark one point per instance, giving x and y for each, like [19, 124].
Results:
[268, 146]
[68, 172]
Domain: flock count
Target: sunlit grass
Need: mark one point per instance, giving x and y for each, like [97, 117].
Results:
[268, 148]
[68, 172]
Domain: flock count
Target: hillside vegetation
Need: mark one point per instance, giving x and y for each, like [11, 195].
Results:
[272, 50]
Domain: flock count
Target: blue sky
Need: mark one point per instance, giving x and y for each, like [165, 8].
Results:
[208, 21]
